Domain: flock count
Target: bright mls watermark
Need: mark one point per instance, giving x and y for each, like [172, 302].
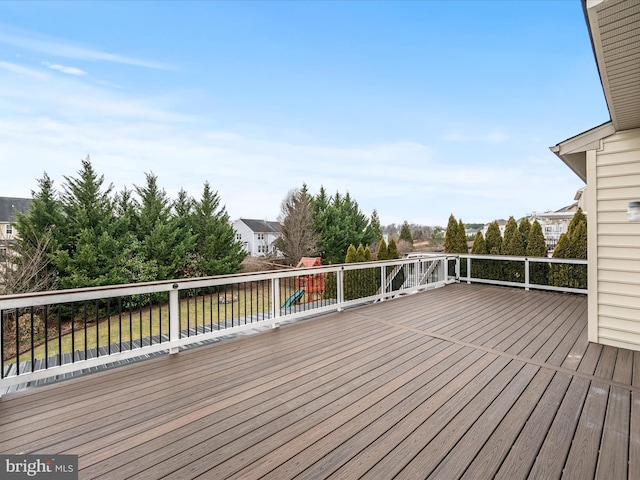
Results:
[52, 467]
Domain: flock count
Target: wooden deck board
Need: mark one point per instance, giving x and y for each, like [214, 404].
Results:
[466, 381]
[494, 451]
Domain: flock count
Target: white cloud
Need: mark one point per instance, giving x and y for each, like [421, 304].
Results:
[51, 122]
[20, 70]
[65, 69]
[62, 48]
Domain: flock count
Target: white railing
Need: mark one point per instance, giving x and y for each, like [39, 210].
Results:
[56, 333]
[548, 276]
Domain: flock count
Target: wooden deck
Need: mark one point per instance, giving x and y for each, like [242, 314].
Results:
[466, 381]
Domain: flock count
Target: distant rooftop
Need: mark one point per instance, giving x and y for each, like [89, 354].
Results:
[262, 226]
[9, 206]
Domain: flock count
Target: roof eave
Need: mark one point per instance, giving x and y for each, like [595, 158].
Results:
[573, 150]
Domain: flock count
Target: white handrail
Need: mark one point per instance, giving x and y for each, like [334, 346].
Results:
[171, 341]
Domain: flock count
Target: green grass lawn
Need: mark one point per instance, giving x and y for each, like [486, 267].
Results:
[236, 305]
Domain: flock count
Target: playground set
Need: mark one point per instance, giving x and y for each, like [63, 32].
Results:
[312, 285]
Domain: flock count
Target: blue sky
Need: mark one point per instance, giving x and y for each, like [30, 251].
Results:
[418, 109]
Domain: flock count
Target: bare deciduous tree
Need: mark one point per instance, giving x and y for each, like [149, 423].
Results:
[28, 271]
[299, 238]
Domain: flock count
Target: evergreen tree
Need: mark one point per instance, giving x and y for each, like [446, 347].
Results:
[40, 238]
[451, 235]
[494, 247]
[126, 211]
[350, 276]
[339, 223]
[374, 233]
[155, 207]
[537, 247]
[370, 276]
[461, 246]
[513, 246]
[478, 266]
[405, 233]
[392, 253]
[183, 207]
[44, 217]
[560, 274]
[85, 204]
[524, 227]
[572, 244]
[92, 248]
[392, 250]
[579, 250]
[181, 223]
[382, 253]
[494, 239]
[460, 243]
[218, 251]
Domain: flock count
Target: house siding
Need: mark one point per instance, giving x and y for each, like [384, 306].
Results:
[257, 236]
[616, 264]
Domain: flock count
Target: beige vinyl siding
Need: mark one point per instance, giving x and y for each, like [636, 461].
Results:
[628, 277]
[617, 183]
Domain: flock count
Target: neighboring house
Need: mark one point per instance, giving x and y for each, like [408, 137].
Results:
[556, 223]
[257, 236]
[607, 159]
[8, 208]
[471, 232]
[502, 223]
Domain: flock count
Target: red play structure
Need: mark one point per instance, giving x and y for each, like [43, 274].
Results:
[313, 285]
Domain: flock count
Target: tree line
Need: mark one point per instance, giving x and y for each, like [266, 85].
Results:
[86, 235]
[523, 239]
[323, 225]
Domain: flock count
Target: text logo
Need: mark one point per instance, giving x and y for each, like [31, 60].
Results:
[50, 467]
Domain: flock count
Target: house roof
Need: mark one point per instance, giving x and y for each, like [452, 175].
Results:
[262, 226]
[9, 205]
[614, 28]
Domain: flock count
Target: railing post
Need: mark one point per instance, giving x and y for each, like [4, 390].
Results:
[174, 317]
[526, 274]
[275, 301]
[446, 269]
[457, 268]
[383, 282]
[340, 287]
[468, 270]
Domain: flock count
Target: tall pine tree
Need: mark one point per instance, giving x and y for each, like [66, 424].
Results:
[513, 246]
[524, 227]
[478, 266]
[572, 244]
[494, 247]
[451, 235]
[537, 247]
[41, 234]
[218, 251]
[92, 250]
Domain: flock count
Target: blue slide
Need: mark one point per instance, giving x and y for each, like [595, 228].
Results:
[295, 296]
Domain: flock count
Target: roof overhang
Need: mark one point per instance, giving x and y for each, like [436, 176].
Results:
[614, 28]
[573, 150]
